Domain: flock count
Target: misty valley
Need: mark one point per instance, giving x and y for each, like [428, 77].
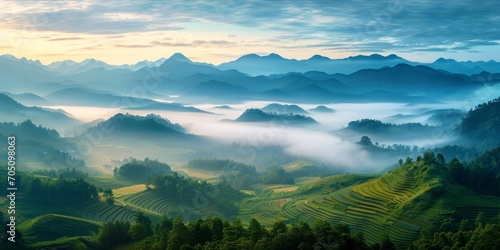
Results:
[263, 152]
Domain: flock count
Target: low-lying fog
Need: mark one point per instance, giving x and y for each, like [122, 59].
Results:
[315, 142]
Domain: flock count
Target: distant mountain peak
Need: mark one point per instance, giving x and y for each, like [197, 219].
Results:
[318, 58]
[150, 123]
[252, 55]
[443, 60]
[9, 56]
[179, 57]
[376, 57]
[8, 101]
[274, 56]
[393, 56]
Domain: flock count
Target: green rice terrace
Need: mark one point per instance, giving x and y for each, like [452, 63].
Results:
[399, 204]
[394, 204]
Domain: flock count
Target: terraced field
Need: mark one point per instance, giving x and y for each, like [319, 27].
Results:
[154, 203]
[53, 226]
[263, 210]
[106, 213]
[365, 207]
[150, 202]
[374, 207]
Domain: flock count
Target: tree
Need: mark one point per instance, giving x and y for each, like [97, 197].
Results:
[366, 141]
[138, 232]
[179, 235]
[234, 231]
[465, 225]
[322, 229]
[480, 219]
[440, 159]
[217, 228]
[387, 243]
[111, 234]
[278, 227]
[429, 157]
[255, 230]
[409, 160]
[456, 171]
[142, 227]
[108, 196]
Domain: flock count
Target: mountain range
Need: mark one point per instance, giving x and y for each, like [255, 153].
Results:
[319, 80]
[275, 64]
[12, 111]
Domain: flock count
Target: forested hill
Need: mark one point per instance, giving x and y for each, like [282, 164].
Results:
[257, 115]
[481, 126]
[133, 124]
[29, 131]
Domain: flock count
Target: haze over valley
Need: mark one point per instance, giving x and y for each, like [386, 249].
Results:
[190, 93]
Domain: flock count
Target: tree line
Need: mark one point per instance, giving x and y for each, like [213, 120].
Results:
[214, 233]
[52, 190]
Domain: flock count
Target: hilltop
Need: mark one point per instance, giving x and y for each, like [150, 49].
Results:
[283, 109]
[413, 199]
[13, 111]
[257, 115]
[133, 124]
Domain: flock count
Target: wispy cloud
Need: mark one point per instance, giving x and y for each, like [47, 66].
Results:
[358, 25]
[66, 39]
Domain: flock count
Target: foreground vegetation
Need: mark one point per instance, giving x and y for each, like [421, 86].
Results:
[425, 203]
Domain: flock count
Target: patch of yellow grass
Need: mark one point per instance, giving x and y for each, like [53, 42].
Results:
[306, 180]
[285, 189]
[200, 174]
[249, 192]
[129, 190]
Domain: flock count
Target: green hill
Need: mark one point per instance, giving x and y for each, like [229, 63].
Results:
[481, 126]
[54, 226]
[257, 115]
[400, 203]
[283, 109]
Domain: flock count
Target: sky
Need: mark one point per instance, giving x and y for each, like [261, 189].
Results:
[125, 32]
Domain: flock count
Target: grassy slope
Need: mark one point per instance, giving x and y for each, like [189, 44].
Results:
[119, 192]
[158, 205]
[53, 226]
[78, 243]
[398, 203]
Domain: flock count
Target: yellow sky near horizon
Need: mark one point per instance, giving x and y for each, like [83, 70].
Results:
[125, 32]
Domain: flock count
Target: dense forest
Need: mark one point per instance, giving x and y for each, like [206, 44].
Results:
[482, 174]
[215, 233]
[219, 234]
[257, 115]
[378, 129]
[52, 190]
[140, 171]
[481, 126]
[40, 144]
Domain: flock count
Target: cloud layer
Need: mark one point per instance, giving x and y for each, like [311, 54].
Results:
[358, 26]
